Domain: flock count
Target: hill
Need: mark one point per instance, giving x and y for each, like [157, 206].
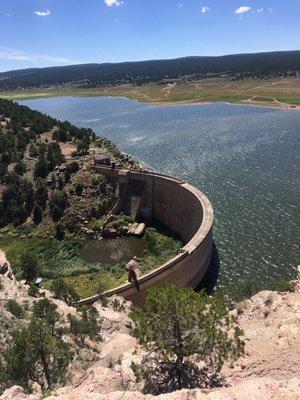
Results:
[51, 198]
[233, 67]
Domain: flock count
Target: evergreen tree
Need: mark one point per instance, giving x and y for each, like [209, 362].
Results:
[41, 193]
[37, 214]
[64, 292]
[41, 167]
[29, 266]
[57, 213]
[89, 325]
[36, 354]
[60, 231]
[177, 323]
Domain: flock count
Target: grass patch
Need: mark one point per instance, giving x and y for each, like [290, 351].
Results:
[61, 259]
[260, 98]
[290, 100]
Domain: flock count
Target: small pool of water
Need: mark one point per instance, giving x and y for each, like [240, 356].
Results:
[112, 251]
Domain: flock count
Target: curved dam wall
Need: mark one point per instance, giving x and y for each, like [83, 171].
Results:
[184, 210]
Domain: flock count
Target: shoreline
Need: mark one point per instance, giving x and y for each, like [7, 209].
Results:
[277, 104]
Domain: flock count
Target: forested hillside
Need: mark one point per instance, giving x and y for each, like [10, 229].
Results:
[260, 65]
[39, 161]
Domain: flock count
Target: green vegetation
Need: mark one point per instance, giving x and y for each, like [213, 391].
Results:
[162, 247]
[14, 308]
[28, 267]
[36, 352]
[277, 91]
[233, 67]
[41, 216]
[39, 349]
[175, 324]
[54, 259]
[86, 326]
[64, 292]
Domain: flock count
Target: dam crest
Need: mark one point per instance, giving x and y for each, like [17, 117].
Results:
[178, 205]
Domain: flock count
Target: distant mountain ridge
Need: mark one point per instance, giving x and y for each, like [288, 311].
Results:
[237, 66]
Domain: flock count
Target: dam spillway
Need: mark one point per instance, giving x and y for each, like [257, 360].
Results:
[184, 209]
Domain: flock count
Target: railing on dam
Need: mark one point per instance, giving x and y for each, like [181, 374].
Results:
[186, 211]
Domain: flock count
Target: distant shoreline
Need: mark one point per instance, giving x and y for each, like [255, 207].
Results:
[241, 93]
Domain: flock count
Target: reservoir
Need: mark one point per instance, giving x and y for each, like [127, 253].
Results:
[244, 158]
[112, 251]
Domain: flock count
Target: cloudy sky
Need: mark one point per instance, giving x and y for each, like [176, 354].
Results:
[37, 33]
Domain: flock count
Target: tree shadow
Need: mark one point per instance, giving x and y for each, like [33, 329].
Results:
[164, 378]
[210, 279]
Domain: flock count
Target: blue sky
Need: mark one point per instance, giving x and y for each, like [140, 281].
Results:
[38, 33]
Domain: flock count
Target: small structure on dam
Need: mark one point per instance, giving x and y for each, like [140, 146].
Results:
[183, 209]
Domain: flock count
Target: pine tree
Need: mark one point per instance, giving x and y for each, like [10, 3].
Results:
[37, 214]
[177, 323]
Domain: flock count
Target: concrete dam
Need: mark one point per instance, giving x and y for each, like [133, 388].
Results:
[184, 209]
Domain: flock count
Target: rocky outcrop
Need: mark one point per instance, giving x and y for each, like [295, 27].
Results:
[269, 369]
[254, 389]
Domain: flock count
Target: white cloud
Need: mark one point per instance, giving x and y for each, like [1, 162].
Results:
[180, 5]
[111, 3]
[260, 10]
[7, 53]
[42, 13]
[242, 9]
[205, 9]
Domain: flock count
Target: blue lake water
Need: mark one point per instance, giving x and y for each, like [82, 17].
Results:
[243, 158]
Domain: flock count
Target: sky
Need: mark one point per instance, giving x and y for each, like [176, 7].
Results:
[40, 33]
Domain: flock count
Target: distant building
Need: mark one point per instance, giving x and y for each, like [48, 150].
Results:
[102, 159]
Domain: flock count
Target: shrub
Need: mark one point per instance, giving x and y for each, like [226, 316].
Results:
[20, 168]
[29, 266]
[72, 167]
[59, 198]
[283, 286]
[64, 292]
[88, 325]
[79, 188]
[37, 214]
[15, 308]
[36, 352]
[60, 232]
[47, 311]
[175, 324]
[57, 213]
[33, 291]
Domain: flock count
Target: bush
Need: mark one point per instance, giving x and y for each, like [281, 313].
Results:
[86, 326]
[283, 286]
[79, 188]
[29, 266]
[36, 351]
[59, 198]
[64, 292]
[57, 213]
[177, 324]
[60, 232]
[37, 214]
[15, 308]
[33, 291]
[72, 167]
[47, 311]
